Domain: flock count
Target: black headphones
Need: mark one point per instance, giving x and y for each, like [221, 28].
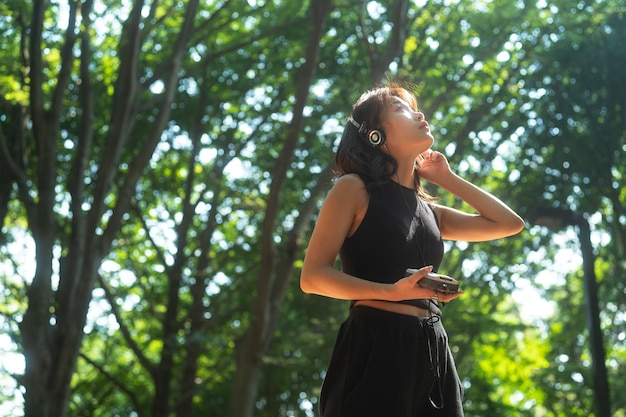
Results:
[375, 137]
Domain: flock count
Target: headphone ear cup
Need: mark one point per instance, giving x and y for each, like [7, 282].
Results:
[376, 137]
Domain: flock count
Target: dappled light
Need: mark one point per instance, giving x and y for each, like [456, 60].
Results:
[162, 164]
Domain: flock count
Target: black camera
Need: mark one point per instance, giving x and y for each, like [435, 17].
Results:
[436, 282]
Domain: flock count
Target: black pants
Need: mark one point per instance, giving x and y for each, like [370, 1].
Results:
[391, 365]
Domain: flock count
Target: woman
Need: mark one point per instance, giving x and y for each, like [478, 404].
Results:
[391, 357]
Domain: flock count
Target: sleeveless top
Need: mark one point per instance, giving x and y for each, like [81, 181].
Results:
[398, 231]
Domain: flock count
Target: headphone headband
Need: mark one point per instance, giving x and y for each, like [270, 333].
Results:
[375, 137]
[360, 126]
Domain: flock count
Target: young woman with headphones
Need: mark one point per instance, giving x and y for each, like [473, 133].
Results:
[391, 357]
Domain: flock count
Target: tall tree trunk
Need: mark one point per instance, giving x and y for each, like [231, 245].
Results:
[253, 345]
[52, 327]
[39, 336]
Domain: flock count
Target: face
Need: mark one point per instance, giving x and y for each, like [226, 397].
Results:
[406, 128]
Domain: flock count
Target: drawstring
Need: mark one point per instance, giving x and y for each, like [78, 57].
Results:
[433, 360]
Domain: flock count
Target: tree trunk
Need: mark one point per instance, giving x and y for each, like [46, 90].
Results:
[52, 327]
[251, 348]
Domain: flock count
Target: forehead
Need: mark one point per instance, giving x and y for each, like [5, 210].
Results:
[403, 97]
[396, 101]
[374, 104]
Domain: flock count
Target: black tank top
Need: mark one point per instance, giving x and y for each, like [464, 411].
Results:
[398, 231]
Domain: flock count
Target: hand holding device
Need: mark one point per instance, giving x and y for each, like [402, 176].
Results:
[436, 282]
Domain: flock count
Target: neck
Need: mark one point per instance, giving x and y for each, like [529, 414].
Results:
[406, 168]
[405, 176]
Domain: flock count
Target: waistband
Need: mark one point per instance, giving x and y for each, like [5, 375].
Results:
[405, 309]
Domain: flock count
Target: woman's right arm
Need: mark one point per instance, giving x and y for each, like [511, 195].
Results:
[339, 217]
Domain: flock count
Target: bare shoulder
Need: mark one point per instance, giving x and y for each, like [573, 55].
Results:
[349, 186]
[350, 196]
[351, 180]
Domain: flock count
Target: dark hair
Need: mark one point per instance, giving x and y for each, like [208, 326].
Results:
[355, 155]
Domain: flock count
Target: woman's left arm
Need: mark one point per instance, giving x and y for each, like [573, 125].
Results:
[494, 219]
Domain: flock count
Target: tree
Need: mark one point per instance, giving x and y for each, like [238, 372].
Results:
[275, 272]
[93, 165]
[572, 152]
[192, 143]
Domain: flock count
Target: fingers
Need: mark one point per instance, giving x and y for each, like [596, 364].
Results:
[446, 297]
[411, 284]
[427, 157]
[423, 157]
[422, 272]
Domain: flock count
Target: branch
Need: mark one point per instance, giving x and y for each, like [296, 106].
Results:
[294, 239]
[11, 167]
[279, 175]
[67, 62]
[76, 183]
[36, 68]
[160, 253]
[395, 46]
[369, 47]
[143, 360]
[142, 158]
[133, 398]
[123, 112]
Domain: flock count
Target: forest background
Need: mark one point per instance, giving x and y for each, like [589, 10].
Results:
[162, 163]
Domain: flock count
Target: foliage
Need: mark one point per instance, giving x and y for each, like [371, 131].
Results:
[577, 131]
[165, 161]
